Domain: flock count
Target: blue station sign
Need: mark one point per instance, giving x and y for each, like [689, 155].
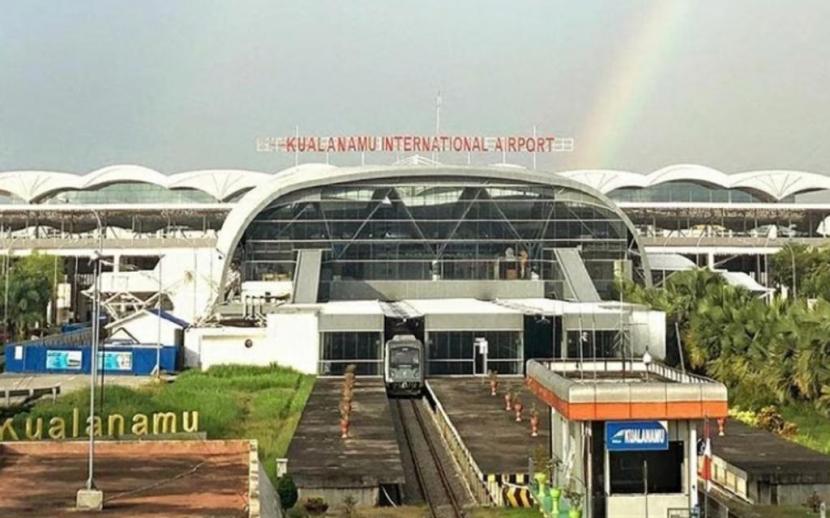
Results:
[636, 435]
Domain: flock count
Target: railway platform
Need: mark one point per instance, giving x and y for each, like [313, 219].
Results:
[486, 439]
[366, 465]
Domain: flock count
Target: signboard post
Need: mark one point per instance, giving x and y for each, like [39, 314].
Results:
[636, 435]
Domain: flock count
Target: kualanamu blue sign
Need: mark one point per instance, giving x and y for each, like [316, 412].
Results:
[636, 435]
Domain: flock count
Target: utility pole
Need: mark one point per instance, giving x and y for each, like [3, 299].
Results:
[158, 324]
[90, 498]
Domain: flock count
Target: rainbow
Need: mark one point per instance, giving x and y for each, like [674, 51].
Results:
[628, 86]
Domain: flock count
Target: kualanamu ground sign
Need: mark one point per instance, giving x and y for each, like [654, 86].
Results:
[636, 435]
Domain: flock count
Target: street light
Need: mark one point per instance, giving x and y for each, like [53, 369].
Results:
[91, 498]
[158, 329]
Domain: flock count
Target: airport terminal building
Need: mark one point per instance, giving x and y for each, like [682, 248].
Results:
[317, 266]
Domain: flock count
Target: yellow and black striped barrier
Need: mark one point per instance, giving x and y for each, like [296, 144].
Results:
[516, 496]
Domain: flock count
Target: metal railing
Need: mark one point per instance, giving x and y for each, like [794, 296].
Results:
[619, 365]
[79, 337]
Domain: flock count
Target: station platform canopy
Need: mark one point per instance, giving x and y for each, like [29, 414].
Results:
[599, 390]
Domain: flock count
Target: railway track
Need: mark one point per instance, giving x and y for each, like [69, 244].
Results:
[439, 491]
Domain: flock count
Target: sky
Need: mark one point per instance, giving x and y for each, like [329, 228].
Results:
[179, 85]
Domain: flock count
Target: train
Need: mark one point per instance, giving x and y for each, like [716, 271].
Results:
[404, 366]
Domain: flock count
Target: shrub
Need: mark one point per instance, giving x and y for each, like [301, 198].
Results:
[287, 491]
[316, 506]
[297, 511]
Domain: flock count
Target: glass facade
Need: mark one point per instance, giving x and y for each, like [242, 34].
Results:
[453, 352]
[130, 192]
[664, 473]
[9, 199]
[341, 349]
[687, 192]
[462, 229]
[594, 343]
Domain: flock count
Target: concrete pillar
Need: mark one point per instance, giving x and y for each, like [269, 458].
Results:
[691, 452]
[89, 500]
[710, 260]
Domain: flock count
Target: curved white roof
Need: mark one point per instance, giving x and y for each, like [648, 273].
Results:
[776, 184]
[221, 184]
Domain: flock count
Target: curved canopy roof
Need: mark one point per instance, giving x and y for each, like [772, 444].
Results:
[775, 184]
[221, 184]
[31, 186]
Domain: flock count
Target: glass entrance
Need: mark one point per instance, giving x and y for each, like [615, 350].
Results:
[457, 352]
[480, 356]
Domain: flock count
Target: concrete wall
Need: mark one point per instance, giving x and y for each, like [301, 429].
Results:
[788, 494]
[295, 339]
[635, 505]
[442, 289]
[208, 346]
[269, 501]
[289, 339]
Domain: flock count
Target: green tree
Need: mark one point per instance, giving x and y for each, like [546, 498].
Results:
[31, 288]
[806, 267]
[764, 352]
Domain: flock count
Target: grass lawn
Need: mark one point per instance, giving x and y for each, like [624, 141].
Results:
[234, 402]
[813, 427]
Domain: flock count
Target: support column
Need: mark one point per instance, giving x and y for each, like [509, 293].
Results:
[710, 260]
[691, 452]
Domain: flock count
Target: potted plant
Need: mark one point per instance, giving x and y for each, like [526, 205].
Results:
[534, 421]
[494, 382]
[541, 463]
[555, 490]
[345, 407]
[517, 407]
[344, 426]
[508, 400]
[575, 501]
[348, 393]
[316, 506]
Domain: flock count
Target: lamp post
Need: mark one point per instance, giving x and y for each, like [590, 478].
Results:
[158, 324]
[90, 498]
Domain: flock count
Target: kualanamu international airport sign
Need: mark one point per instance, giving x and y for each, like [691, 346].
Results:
[112, 425]
[415, 144]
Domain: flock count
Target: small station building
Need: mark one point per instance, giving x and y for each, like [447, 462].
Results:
[626, 432]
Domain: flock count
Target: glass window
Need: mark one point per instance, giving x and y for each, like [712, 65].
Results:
[453, 229]
[341, 349]
[130, 192]
[665, 468]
